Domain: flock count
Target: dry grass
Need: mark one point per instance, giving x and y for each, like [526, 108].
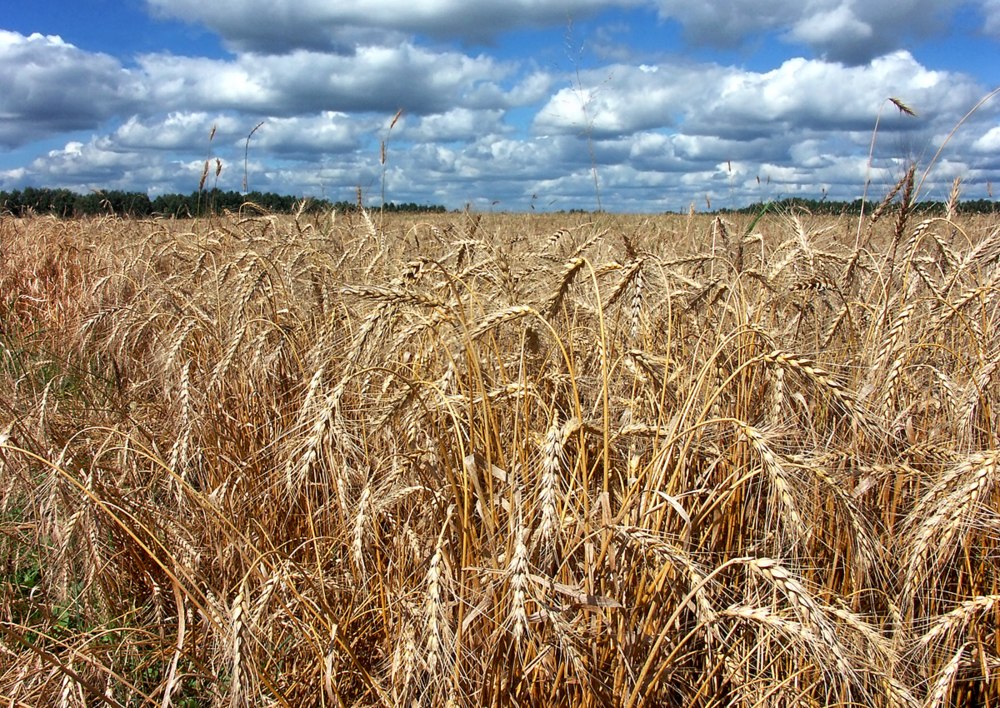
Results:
[499, 460]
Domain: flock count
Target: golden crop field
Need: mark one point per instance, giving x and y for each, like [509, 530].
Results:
[497, 460]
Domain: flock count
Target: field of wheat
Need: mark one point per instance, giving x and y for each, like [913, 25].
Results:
[495, 460]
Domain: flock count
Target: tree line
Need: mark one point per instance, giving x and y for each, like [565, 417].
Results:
[835, 208]
[65, 203]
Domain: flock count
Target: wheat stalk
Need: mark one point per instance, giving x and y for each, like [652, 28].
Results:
[779, 479]
[958, 618]
[550, 493]
[554, 301]
[517, 572]
[945, 678]
[811, 615]
[930, 543]
[437, 633]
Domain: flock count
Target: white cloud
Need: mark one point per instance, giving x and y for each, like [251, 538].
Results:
[852, 31]
[49, 87]
[281, 25]
[459, 124]
[325, 78]
[373, 78]
[179, 130]
[531, 89]
[823, 96]
[989, 142]
[697, 148]
[735, 104]
[84, 166]
[628, 99]
[311, 137]
[832, 26]
[991, 14]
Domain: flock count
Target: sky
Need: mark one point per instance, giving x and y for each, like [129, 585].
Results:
[507, 105]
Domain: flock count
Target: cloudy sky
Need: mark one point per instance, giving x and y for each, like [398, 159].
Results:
[506, 104]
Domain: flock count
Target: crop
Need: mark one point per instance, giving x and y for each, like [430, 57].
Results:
[483, 460]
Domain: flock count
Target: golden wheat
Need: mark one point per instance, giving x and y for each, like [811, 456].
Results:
[494, 460]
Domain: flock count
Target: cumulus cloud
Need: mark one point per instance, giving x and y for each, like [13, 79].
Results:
[49, 87]
[843, 30]
[373, 78]
[311, 137]
[821, 95]
[991, 14]
[85, 166]
[804, 125]
[832, 27]
[325, 78]
[736, 104]
[195, 133]
[988, 142]
[530, 89]
[459, 124]
[635, 98]
[282, 25]
[851, 31]
[178, 131]
[712, 148]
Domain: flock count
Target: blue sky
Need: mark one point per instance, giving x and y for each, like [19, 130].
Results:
[509, 101]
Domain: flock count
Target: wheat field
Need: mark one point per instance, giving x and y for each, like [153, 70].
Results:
[499, 460]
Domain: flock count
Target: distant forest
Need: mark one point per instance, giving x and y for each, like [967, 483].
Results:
[64, 203]
[822, 206]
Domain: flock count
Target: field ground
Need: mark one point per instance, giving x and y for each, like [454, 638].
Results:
[485, 460]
